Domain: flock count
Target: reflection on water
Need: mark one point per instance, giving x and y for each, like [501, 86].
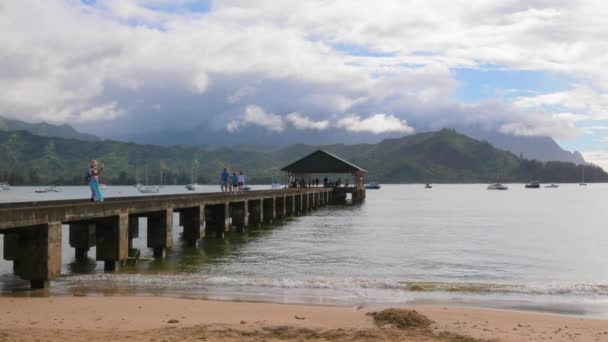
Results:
[532, 249]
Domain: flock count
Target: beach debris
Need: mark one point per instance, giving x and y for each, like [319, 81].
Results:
[416, 288]
[172, 321]
[298, 317]
[243, 322]
[401, 318]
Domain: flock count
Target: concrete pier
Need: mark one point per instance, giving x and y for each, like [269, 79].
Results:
[33, 230]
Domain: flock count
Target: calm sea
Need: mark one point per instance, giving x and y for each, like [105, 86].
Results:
[544, 249]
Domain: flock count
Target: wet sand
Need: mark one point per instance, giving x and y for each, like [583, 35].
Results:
[168, 319]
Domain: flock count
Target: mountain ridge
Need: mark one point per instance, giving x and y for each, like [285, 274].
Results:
[443, 156]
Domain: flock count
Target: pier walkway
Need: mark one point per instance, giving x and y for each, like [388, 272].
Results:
[33, 235]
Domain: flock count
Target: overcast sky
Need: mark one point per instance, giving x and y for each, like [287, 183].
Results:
[120, 67]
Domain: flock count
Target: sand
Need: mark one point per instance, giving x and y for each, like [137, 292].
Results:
[170, 319]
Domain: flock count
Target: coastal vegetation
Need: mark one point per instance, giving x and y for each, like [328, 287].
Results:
[443, 156]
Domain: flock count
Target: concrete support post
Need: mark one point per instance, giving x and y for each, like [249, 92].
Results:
[38, 254]
[133, 230]
[217, 219]
[82, 238]
[256, 214]
[305, 202]
[269, 210]
[240, 215]
[160, 232]
[193, 221]
[11, 246]
[289, 204]
[112, 235]
[279, 207]
[297, 209]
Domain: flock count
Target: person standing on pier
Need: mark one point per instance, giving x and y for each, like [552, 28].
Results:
[241, 181]
[93, 179]
[235, 182]
[224, 180]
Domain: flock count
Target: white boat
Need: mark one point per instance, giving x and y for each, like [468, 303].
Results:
[5, 186]
[582, 183]
[372, 186]
[497, 186]
[51, 188]
[192, 186]
[552, 186]
[428, 186]
[148, 189]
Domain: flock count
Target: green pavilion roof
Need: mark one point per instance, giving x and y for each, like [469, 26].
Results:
[322, 162]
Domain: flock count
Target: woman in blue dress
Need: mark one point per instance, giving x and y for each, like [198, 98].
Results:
[96, 194]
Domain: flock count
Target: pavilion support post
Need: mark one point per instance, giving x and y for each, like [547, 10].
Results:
[112, 236]
[193, 221]
[256, 213]
[217, 219]
[269, 210]
[160, 232]
[36, 253]
[240, 215]
[304, 202]
[82, 238]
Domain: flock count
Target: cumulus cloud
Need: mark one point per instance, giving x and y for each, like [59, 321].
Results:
[255, 115]
[303, 122]
[377, 123]
[64, 61]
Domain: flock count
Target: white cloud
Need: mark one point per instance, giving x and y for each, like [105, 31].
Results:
[581, 98]
[303, 122]
[255, 115]
[599, 158]
[124, 53]
[376, 124]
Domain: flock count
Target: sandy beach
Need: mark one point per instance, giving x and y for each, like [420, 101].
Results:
[169, 319]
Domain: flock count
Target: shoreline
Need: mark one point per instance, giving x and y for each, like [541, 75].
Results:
[163, 318]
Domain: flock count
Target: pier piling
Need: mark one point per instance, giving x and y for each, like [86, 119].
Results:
[193, 221]
[82, 238]
[112, 235]
[160, 232]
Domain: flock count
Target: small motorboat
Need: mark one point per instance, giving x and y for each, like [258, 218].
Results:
[192, 186]
[583, 184]
[148, 189]
[533, 185]
[550, 186]
[372, 186]
[498, 186]
[428, 186]
[5, 186]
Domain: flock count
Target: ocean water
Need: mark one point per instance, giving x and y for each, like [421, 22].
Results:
[543, 250]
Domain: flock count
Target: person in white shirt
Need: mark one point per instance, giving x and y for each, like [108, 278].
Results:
[241, 181]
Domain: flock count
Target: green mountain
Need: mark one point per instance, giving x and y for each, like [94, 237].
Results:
[444, 156]
[45, 129]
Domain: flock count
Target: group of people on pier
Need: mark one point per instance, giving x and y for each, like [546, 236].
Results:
[232, 183]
